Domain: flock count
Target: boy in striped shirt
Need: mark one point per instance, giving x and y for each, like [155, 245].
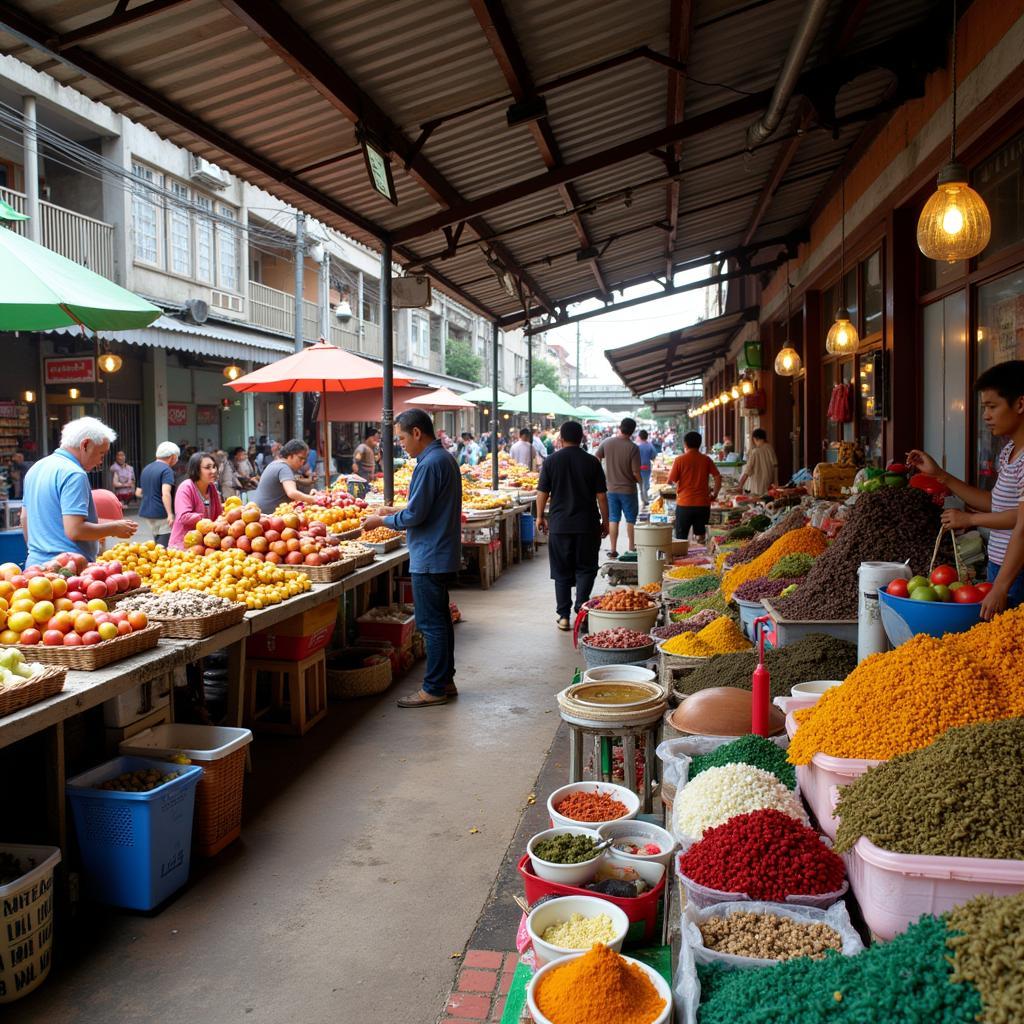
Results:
[1002, 404]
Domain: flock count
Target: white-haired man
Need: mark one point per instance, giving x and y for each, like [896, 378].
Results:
[58, 512]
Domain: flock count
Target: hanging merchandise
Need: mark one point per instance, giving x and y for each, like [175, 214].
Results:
[840, 406]
[756, 400]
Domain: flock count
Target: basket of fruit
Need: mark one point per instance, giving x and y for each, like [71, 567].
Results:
[382, 539]
[187, 614]
[23, 683]
[618, 646]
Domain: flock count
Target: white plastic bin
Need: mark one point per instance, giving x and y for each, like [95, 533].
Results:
[138, 702]
[26, 921]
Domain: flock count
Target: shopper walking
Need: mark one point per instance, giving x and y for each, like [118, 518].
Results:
[524, 451]
[58, 513]
[197, 498]
[762, 469]
[156, 486]
[433, 519]
[647, 452]
[367, 455]
[122, 479]
[690, 473]
[621, 460]
[574, 482]
[277, 482]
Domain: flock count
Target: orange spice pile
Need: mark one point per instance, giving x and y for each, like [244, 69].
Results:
[807, 540]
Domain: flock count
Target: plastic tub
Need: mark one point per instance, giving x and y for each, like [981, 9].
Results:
[620, 793]
[653, 976]
[560, 909]
[788, 631]
[619, 674]
[812, 689]
[135, 846]
[26, 921]
[221, 753]
[749, 611]
[642, 910]
[903, 617]
[526, 528]
[598, 657]
[564, 874]
[895, 889]
[645, 830]
[642, 620]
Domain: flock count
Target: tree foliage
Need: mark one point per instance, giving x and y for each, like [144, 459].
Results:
[461, 361]
[545, 372]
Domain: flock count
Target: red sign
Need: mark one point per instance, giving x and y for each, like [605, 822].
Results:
[177, 414]
[207, 415]
[70, 370]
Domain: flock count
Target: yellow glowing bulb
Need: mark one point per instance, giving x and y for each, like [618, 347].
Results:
[955, 223]
[952, 220]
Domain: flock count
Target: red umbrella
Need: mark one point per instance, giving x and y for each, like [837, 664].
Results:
[321, 368]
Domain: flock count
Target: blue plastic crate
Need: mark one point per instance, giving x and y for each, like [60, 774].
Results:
[135, 846]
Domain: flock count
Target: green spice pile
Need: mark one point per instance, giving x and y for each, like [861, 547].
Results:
[759, 523]
[815, 656]
[714, 601]
[744, 532]
[988, 951]
[961, 796]
[759, 545]
[697, 586]
[565, 849]
[905, 981]
[797, 564]
[753, 750]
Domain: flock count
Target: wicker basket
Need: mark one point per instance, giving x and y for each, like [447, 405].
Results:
[113, 599]
[347, 535]
[678, 660]
[361, 681]
[363, 559]
[87, 659]
[385, 546]
[42, 685]
[196, 627]
[327, 573]
[218, 820]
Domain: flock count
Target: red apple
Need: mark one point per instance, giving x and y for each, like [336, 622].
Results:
[124, 627]
[76, 595]
[90, 638]
[96, 589]
[72, 640]
[53, 638]
[115, 566]
[30, 636]
[134, 580]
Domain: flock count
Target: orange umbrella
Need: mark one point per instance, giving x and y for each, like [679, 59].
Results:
[321, 368]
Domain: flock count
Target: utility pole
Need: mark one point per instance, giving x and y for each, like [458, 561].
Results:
[300, 267]
[577, 363]
[387, 436]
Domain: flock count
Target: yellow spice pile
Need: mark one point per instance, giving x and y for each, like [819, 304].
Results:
[722, 636]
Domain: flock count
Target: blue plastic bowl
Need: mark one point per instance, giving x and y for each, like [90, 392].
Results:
[904, 618]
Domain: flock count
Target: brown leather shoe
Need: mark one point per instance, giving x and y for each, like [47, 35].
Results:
[420, 699]
[451, 690]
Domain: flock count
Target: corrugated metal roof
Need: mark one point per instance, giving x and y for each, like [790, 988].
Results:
[416, 62]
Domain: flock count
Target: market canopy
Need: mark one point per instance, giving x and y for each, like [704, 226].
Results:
[485, 394]
[668, 359]
[605, 416]
[441, 400]
[584, 412]
[544, 401]
[40, 289]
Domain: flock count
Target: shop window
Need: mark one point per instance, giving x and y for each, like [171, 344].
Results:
[871, 405]
[1000, 182]
[1000, 336]
[227, 250]
[945, 382]
[204, 239]
[145, 217]
[420, 339]
[850, 299]
[179, 230]
[871, 285]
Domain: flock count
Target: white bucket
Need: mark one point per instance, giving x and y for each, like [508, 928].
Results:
[871, 577]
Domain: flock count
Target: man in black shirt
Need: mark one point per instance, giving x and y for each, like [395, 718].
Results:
[574, 482]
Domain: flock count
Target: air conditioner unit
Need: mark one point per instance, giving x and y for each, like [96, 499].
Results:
[204, 173]
[197, 310]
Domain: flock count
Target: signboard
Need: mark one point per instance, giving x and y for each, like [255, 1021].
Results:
[70, 370]
[206, 415]
[177, 414]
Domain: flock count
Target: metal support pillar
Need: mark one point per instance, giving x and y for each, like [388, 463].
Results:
[529, 372]
[387, 433]
[30, 144]
[494, 406]
[300, 267]
[577, 364]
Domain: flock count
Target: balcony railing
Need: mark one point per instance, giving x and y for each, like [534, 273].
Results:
[359, 336]
[81, 239]
[275, 311]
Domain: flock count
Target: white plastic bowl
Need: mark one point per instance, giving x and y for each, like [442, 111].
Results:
[620, 793]
[561, 909]
[814, 688]
[618, 674]
[564, 874]
[645, 830]
[655, 978]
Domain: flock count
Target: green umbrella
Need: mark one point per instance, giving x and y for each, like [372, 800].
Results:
[8, 212]
[586, 413]
[40, 289]
[544, 401]
[485, 394]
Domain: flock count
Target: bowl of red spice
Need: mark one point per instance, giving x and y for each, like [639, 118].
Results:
[591, 804]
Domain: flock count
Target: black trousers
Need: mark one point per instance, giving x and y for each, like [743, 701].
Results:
[573, 558]
[696, 516]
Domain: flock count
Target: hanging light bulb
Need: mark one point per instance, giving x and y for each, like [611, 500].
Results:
[74, 393]
[955, 223]
[788, 362]
[29, 396]
[734, 393]
[110, 363]
[232, 372]
[723, 397]
[842, 338]
[747, 386]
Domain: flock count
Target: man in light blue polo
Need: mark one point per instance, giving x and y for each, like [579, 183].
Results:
[58, 512]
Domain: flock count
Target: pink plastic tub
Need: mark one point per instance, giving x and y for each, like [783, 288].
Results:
[895, 889]
[817, 779]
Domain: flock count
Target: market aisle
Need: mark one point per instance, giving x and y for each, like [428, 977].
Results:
[368, 850]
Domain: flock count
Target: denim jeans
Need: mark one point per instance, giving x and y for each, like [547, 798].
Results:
[1015, 596]
[434, 621]
[645, 484]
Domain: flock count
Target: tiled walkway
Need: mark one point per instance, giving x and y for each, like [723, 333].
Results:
[481, 986]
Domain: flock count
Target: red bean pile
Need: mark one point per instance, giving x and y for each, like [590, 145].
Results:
[766, 854]
[619, 637]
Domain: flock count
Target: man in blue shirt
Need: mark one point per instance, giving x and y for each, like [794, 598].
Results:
[433, 521]
[58, 514]
[647, 453]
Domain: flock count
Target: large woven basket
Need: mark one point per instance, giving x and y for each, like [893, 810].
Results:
[327, 573]
[347, 535]
[196, 627]
[113, 599]
[361, 681]
[385, 546]
[87, 659]
[20, 695]
[218, 820]
[363, 558]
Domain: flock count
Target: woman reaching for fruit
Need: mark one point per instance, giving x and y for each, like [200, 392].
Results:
[197, 497]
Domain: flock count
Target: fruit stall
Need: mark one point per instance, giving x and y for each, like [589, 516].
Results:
[839, 826]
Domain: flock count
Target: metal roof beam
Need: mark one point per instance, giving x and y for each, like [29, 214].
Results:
[501, 37]
[310, 62]
[121, 17]
[680, 31]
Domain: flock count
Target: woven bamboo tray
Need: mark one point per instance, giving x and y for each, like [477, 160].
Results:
[363, 559]
[327, 573]
[196, 627]
[385, 546]
[346, 683]
[87, 659]
[20, 695]
[347, 535]
[114, 598]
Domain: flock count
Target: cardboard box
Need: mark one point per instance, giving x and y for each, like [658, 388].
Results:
[298, 637]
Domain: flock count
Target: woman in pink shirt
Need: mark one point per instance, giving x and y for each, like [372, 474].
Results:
[197, 497]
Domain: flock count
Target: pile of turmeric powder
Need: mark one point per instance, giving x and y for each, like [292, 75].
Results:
[807, 541]
[900, 701]
[599, 987]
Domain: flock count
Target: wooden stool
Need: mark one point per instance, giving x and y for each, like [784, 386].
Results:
[300, 687]
[481, 555]
[603, 740]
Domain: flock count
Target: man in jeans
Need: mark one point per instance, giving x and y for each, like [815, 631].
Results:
[621, 460]
[646, 450]
[433, 519]
[574, 481]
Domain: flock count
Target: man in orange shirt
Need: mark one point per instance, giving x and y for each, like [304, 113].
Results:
[690, 473]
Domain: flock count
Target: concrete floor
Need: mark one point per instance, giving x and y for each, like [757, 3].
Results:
[368, 850]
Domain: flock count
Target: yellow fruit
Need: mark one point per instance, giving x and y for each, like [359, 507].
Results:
[40, 588]
[43, 611]
[20, 621]
[23, 604]
[97, 604]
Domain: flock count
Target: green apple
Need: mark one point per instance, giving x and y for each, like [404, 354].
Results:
[923, 593]
[957, 583]
[917, 581]
[942, 592]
